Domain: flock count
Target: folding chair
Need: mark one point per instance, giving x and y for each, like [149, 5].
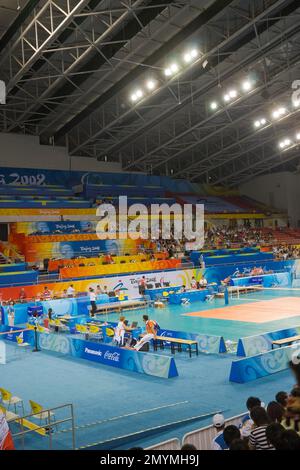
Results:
[9, 399]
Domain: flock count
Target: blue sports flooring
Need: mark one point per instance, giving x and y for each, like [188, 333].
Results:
[100, 393]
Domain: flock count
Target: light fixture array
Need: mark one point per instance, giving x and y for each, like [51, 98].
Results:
[171, 70]
[275, 115]
[233, 93]
[289, 142]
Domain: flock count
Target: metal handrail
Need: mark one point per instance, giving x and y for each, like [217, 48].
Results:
[49, 424]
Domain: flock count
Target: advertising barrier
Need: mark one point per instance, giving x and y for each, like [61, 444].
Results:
[256, 344]
[133, 361]
[262, 365]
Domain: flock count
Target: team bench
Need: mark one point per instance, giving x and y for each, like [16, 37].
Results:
[285, 341]
[160, 340]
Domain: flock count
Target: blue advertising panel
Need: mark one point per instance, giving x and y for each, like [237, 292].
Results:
[206, 343]
[14, 332]
[283, 279]
[143, 363]
[191, 296]
[262, 365]
[256, 344]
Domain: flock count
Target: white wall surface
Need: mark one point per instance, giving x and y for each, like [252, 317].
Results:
[24, 151]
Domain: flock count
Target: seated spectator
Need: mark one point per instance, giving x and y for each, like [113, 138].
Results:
[292, 414]
[64, 294]
[275, 412]
[290, 440]
[47, 293]
[282, 398]
[274, 435]
[218, 442]
[6, 441]
[247, 423]
[295, 368]
[239, 444]
[193, 283]
[230, 434]
[188, 447]
[22, 295]
[202, 282]
[258, 439]
[98, 290]
[71, 291]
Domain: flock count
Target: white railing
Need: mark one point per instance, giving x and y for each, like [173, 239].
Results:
[171, 444]
[202, 438]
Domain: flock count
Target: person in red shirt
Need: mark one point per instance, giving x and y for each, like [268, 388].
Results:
[46, 294]
[6, 441]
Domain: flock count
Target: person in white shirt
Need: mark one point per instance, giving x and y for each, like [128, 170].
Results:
[71, 291]
[92, 296]
[193, 283]
[120, 330]
[11, 314]
[218, 442]
[203, 282]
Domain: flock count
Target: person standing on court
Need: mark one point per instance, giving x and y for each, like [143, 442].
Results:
[92, 296]
[142, 286]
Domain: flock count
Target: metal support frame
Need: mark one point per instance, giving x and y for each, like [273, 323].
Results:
[32, 40]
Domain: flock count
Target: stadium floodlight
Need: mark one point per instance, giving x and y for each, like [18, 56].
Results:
[190, 56]
[282, 111]
[139, 94]
[187, 57]
[298, 136]
[171, 70]
[296, 103]
[233, 93]
[151, 84]
[246, 85]
[260, 122]
[285, 143]
[279, 112]
[174, 68]
[214, 105]
[226, 97]
[134, 97]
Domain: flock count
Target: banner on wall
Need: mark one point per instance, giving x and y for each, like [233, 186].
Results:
[67, 250]
[39, 177]
[130, 282]
[84, 226]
